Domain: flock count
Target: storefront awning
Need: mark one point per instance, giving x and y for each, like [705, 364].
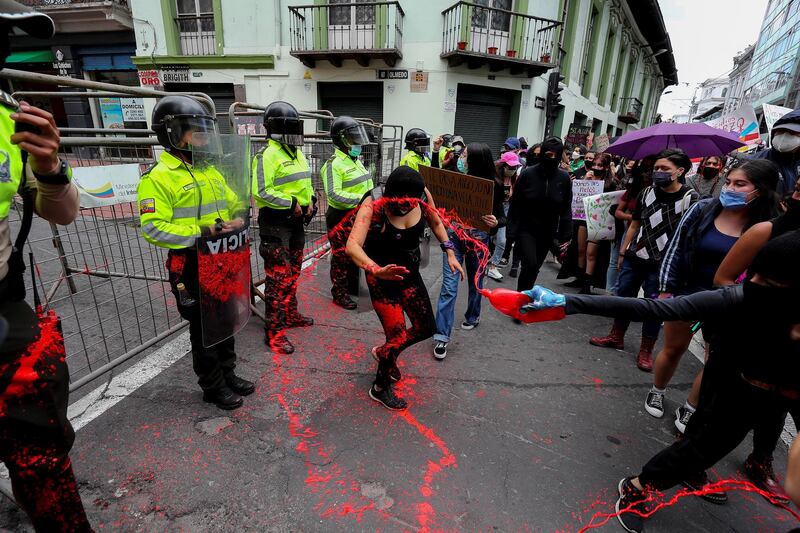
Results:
[31, 56]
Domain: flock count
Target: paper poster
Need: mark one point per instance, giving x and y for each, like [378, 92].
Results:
[742, 121]
[601, 143]
[468, 196]
[133, 110]
[771, 115]
[111, 113]
[600, 222]
[106, 185]
[580, 190]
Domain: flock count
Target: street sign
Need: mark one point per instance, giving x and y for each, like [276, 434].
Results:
[538, 102]
[391, 74]
[64, 63]
[149, 78]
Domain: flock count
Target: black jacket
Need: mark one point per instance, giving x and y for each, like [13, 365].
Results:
[542, 204]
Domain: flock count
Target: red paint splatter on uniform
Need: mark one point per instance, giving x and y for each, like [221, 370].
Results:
[38, 363]
[221, 275]
[656, 501]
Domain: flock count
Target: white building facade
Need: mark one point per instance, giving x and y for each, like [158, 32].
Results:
[442, 65]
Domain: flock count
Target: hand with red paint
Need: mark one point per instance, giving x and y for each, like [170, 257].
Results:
[390, 272]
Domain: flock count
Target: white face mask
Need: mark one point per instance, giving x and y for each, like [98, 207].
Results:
[576, 156]
[786, 142]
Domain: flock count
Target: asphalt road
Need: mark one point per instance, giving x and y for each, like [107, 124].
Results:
[521, 428]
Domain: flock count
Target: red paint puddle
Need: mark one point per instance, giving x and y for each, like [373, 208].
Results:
[597, 384]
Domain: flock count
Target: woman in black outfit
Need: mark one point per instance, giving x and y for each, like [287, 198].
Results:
[388, 227]
[540, 215]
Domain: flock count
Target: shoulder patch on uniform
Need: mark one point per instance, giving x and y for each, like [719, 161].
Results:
[148, 205]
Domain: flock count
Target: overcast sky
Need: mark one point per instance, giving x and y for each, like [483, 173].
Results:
[705, 36]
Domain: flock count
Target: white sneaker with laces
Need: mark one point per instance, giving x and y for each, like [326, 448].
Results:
[495, 274]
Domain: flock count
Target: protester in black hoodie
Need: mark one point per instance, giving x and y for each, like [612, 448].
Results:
[540, 215]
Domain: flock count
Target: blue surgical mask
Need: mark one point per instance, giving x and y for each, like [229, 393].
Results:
[733, 199]
[462, 166]
[662, 178]
[355, 150]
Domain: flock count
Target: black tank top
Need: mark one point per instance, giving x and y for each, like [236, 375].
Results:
[387, 244]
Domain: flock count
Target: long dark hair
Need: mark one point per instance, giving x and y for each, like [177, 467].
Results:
[764, 175]
[480, 162]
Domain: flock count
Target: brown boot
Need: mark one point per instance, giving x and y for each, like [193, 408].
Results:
[615, 339]
[644, 360]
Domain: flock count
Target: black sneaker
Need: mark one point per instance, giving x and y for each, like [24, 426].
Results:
[468, 325]
[682, 416]
[394, 372]
[502, 263]
[440, 350]
[654, 403]
[514, 272]
[387, 398]
[697, 482]
[630, 506]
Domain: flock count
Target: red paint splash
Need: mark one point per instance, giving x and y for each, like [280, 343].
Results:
[657, 501]
[37, 364]
[597, 384]
[223, 276]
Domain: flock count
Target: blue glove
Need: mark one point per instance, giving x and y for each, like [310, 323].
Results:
[542, 298]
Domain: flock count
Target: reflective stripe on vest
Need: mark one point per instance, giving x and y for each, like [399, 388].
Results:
[262, 185]
[156, 234]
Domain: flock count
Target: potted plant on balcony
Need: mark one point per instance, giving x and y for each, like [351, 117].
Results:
[511, 53]
[545, 58]
[462, 45]
[492, 50]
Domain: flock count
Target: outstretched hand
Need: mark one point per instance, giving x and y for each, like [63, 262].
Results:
[542, 298]
[390, 272]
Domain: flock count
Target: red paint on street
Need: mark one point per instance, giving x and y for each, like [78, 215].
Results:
[597, 382]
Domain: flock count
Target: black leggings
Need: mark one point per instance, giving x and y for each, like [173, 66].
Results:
[532, 250]
[391, 300]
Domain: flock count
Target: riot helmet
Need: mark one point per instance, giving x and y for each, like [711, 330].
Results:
[15, 15]
[447, 140]
[348, 135]
[418, 141]
[283, 124]
[179, 121]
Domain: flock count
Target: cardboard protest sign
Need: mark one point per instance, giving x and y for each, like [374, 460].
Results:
[580, 190]
[600, 221]
[577, 134]
[469, 197]
[601, 143]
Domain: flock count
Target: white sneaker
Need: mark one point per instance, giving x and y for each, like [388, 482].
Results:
[440, 350]
[494, 274]
[654, 404]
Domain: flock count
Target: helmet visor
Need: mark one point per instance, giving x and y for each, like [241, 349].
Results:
[183, 129]
[286, 130]
[421, 145]
[355, 135]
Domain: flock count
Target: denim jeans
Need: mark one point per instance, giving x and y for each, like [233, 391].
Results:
[635, 275]
[446, 307]
[612, 275]
[500, 241]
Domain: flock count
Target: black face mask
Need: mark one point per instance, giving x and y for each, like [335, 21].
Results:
[710, 173]
[779, 303]
[548, 163]
[599, 173]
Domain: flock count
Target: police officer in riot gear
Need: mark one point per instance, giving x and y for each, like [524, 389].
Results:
[35, 435]
[285, 198]
[418, 144]
[346, 181]
[175, 210]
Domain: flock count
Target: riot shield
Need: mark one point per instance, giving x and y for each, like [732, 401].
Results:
[221, 168]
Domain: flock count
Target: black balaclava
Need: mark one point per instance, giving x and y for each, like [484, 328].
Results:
[404, 189]
[551, 144]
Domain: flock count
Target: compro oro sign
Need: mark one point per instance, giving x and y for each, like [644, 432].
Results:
[106, 185]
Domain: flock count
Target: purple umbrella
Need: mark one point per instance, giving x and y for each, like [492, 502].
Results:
[697, 140]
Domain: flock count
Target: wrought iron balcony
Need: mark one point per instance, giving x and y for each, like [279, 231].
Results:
[86, 15]
[630, 110]
[197, 35]
[340, 30]
[478, 35]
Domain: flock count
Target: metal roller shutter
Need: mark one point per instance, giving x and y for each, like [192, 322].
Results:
[483, 114]
[358, 99]
[220, 93]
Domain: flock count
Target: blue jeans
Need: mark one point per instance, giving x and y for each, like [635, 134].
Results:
[633, 276]
[612, 275]
[446, 307]
[500, 241]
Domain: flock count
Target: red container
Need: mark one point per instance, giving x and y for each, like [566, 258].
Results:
[546, 58]
[511, 53]
[508, 302]
[462, 45]
[492, 50]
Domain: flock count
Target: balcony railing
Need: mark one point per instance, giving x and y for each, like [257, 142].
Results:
[197, 35]
[630, 110]
[338, 31]
[479, 35]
